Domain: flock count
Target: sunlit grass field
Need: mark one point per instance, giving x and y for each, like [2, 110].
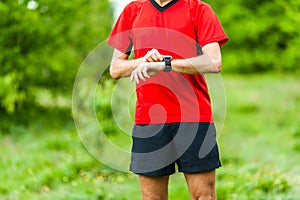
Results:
[259, 145]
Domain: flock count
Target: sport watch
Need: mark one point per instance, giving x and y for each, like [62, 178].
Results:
[168, 66]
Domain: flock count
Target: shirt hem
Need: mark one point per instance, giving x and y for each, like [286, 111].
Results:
[208, 120]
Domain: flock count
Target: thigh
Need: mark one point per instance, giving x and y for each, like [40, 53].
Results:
[202, 153]
[154, 188]
[201, 185]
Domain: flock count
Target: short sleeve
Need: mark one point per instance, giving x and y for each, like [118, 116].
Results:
[208, 27]
[120, 37]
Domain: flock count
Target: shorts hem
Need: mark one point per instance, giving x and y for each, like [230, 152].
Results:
[154, 174]
[207, 164]
[157, 173]
[197, 169]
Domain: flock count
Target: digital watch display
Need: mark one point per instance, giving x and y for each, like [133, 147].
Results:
[168, 66]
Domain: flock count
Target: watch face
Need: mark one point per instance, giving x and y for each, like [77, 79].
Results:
[167, 60]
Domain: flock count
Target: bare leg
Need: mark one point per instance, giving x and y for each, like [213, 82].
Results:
[201, 185]
[154, 188]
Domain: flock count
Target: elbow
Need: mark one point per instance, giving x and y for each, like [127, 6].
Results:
[113, 73]
[217, 66]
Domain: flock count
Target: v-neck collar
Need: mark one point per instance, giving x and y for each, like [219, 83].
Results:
[160, 8]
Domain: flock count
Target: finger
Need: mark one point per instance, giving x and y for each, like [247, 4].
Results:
[151, 55]
[146, 56]
[159, 56]
[154, 57]
[145, 73]
[136, 77]
[155, 51]
[131, 76]
[148, 53]
[150, 59]
[140, 75]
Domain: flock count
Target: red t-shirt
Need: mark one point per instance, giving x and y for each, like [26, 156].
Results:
[174, 30]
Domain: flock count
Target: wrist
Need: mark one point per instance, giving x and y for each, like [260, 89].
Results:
[174, 63]
[156, 66]
[141, 60]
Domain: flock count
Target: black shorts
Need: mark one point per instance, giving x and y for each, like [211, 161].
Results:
[157, 147]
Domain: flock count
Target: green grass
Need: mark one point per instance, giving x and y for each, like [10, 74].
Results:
[259, 145]
[259, 140]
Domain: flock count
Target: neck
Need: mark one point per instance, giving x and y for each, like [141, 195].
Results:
[162, 2]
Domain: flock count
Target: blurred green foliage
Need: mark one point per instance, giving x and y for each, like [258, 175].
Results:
[42, 44]
[260, 161]
[264, 35]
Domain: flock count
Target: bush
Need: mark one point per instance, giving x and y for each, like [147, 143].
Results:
[263, 35]
[43, 43]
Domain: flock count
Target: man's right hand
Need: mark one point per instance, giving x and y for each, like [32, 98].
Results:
[138, 69]
[153, 56]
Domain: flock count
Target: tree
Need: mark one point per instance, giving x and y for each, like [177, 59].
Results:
[264, 35]
[43, 42]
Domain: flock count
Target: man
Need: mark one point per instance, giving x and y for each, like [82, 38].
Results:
[175, 42]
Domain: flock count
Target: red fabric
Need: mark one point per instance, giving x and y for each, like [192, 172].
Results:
[169, 97]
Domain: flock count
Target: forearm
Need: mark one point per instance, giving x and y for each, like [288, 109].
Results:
[209, 62]
[149, 65]
[123, 68]
[196, 65]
